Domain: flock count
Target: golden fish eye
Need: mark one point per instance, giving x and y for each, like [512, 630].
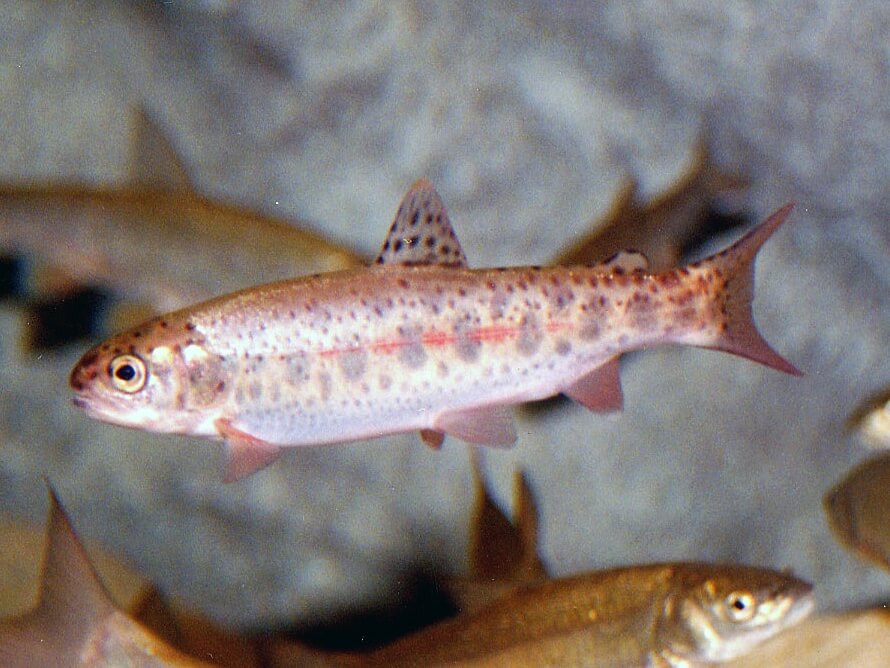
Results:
[740, 606]
[128, 373]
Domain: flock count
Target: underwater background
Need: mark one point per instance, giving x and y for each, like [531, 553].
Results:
[526, 117]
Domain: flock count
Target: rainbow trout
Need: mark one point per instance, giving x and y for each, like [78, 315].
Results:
[416, 342]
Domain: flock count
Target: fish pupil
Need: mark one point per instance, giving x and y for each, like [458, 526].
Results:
[125, 372]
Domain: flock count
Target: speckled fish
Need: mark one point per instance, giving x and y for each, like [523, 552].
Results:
[858, 510]
[679, 615]
[154, 241]
[417, 342]
[75, 623]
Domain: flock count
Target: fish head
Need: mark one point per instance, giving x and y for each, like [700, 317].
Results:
[158, 377]
[717, 613]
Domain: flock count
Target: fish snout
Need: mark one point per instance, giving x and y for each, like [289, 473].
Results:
[85, 372]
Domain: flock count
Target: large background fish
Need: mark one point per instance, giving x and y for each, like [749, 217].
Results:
[526, 119]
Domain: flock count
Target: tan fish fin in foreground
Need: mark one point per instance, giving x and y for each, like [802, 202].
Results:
[418, 342]
[75, 622]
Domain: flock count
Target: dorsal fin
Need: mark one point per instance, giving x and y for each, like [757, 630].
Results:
[421, 232]
[624, 262]
[155, 162]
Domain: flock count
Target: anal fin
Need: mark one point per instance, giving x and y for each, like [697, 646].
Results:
[245, 454]
[599, 390]
[490, 425]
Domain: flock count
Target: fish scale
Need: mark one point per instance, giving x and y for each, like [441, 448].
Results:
[416, 342]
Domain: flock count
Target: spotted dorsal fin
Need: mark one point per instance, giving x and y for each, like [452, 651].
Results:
[624, 262]
[421, 232]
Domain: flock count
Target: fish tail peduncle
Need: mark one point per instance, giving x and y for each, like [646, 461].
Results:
[738, 333]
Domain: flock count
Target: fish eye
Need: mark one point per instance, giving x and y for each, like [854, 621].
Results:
[740, 606]
[128, 373]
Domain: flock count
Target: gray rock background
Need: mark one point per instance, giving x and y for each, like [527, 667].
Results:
[525, 116]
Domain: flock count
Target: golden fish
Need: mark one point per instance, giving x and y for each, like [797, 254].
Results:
[155, 241]
[75, 622]
[858, 510]
[418, 342]
[665, 615]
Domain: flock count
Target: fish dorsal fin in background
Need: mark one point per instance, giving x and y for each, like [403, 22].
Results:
[421, 232]
[624, 262]
[501, 549]
[72, 602]
[155, 164]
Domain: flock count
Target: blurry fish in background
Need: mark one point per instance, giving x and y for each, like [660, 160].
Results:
[858, 510]
[155, 242]
[871, 421]
[661, 615]
[683, 614]
[75, 622]
[670, 224]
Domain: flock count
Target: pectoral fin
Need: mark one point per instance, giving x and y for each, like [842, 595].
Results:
[245, 454]
[491, 425]
[599, 390]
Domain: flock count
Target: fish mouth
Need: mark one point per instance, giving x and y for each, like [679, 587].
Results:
[81, 402]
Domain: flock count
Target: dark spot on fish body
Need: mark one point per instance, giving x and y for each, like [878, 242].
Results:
[590, 330]
[530, 335]
[353, 363]
[413, 355]
[255, 391]
[324, 385]
[563, 347]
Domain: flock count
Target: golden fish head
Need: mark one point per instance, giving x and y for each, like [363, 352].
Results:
[718, 613]
[158, 376]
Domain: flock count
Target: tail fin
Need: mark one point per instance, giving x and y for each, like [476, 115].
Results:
[739, 334]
